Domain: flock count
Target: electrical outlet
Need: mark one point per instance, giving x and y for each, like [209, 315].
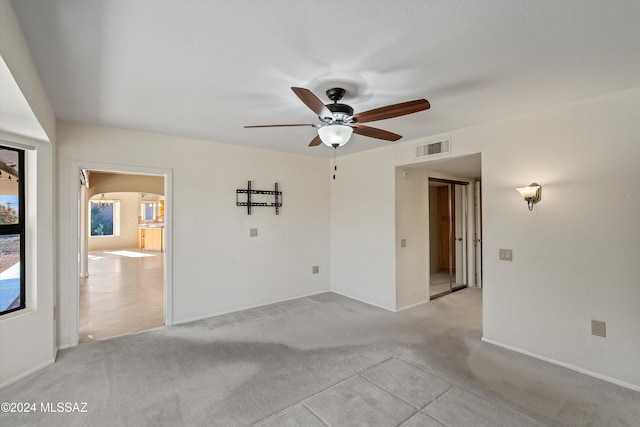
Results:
[505, 255]
[599, 328]
[315, 269]
[253, 232]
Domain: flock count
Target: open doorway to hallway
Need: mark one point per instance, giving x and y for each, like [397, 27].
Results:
[122, 238]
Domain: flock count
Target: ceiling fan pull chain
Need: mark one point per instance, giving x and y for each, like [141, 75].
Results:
[335, 161]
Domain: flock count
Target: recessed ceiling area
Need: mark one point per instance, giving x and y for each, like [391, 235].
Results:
[205, 69]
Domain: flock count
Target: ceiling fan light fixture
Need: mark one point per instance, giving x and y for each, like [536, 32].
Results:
[335, 135]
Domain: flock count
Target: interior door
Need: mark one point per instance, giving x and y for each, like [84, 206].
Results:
[445, 232]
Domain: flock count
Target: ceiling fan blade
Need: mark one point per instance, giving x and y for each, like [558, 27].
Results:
[279, 126]
[390, 111]
[313, 102]
[375, 132]
[315, 141]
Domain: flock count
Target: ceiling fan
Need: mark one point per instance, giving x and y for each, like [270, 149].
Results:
[338, 121]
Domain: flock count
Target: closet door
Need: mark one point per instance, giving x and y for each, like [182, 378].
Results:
[448, 243]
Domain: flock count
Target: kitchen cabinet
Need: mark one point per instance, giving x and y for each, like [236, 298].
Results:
[151, 239]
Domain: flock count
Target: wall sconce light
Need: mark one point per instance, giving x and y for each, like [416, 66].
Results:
[532, 194]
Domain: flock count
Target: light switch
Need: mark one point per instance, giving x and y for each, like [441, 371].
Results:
[253, 232]
[599, 328]
[505, 255]
[403, 243]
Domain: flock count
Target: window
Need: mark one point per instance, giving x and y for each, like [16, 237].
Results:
[148, 211]
[12, 241]
[104, 217]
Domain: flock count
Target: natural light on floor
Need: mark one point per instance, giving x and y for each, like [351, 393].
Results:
[130, 254]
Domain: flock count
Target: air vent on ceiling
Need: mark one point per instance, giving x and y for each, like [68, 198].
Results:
[439, 147]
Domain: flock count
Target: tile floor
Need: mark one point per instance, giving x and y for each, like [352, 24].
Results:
[124, 293]
[397, 393]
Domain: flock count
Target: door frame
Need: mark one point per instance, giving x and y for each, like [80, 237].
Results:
[477, 238]
[75, 204]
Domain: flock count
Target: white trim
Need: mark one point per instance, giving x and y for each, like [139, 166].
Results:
[168, 247]
[249, 307]
[412, 305]
[73, 326]
[18, 313]
[363, 301]
[14, 144]
[563, 364]
[27, 373]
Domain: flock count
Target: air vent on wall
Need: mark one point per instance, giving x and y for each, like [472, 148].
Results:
[433, 148]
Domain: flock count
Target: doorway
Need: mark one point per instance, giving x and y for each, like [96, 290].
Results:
[448, 242]
[123, 246]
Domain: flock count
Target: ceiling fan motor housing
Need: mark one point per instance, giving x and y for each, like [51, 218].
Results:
[341, 112]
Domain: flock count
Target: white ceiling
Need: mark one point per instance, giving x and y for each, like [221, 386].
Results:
[205, 68]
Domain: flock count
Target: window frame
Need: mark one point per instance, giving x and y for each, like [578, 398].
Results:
[143, 210]
[19, 228]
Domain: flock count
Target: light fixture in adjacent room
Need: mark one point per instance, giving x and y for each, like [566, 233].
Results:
[335, 135]
[103, 202]
[531, 194]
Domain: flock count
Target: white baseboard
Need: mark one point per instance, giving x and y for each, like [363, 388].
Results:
[412, 305]
[564, 365]
[221, 313]
[27, 373]
[362, 301]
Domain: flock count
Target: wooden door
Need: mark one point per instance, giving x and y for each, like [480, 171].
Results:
[445, 221]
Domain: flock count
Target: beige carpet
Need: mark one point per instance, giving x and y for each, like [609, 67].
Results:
[323, 360]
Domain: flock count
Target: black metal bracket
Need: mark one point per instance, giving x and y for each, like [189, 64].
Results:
[277, 198]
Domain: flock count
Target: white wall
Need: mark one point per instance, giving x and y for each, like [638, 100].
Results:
[363, 252]
[576, 257]
[217, 267]
[412, 266]
[27, 336]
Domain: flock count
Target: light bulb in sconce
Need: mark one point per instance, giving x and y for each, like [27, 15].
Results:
[532, 194]
[335, 135]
